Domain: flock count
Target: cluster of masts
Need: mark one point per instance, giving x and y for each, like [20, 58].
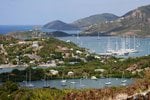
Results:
[124, 50]
[107, 83]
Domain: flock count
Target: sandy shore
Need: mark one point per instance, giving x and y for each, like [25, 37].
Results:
[10, 66]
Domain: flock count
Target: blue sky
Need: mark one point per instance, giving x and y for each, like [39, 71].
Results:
[39, 12]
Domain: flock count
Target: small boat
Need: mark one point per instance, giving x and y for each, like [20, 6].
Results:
[72, 82]
[63, 82]
[94, 78]
[46, 85]
[108, 83]
[123, 81]
[30, 85]
[123, 84]
[81, 85]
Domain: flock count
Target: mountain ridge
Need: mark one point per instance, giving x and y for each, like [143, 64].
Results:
[80, 23]
[59, 25]
[94, 19]
[134, 22]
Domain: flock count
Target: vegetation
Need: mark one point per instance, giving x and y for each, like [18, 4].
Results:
[134, 22]
[111, 93]
[113, 67]
[12, 91]
[41, 50]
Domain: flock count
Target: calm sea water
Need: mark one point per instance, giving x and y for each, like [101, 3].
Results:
[13, 28]
[102, 44]
[4, 29]
[80, 83]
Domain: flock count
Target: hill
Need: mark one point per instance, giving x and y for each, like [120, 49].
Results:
[135, 22]
[94, 19]
[59, 25]
[37, 50]
[35, 34]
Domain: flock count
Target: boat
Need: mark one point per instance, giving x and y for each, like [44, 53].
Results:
[109, 50]
[45, 82]
[73, 82]
[119, 52]
[123, 84]
[29, 84]
[81, 85]
[108, 83]
[94, 78]
[105, 54]
[122, 52]
[63, 82]
[123, 80]
[134, 49]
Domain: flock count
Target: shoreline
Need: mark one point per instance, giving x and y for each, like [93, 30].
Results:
[2, 66]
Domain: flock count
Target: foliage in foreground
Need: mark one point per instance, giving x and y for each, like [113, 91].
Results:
[12, 91]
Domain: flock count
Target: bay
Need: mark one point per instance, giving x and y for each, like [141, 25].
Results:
[81, 83]
[100, 44]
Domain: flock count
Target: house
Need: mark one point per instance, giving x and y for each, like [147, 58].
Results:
[53, 72]
[97, 57]
[70, 73]
[21, 42]
[79, 52]
[35, 44]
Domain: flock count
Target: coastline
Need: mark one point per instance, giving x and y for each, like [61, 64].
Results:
[12, 66]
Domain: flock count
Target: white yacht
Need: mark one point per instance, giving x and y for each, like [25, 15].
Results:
[63, 82]
[29, 84]
[123, 81]
[108, 83]
[94, 78]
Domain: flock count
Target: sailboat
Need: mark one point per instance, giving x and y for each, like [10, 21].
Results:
[63, 81]
[134, 50]
[123, 51]
[109, 50]
[108, 81]
[45, 82]
[29, 84]
[123, 81]
[81, 85]
[94, 78]
[73, 82]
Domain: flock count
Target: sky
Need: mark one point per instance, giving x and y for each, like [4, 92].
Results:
[39, 12]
